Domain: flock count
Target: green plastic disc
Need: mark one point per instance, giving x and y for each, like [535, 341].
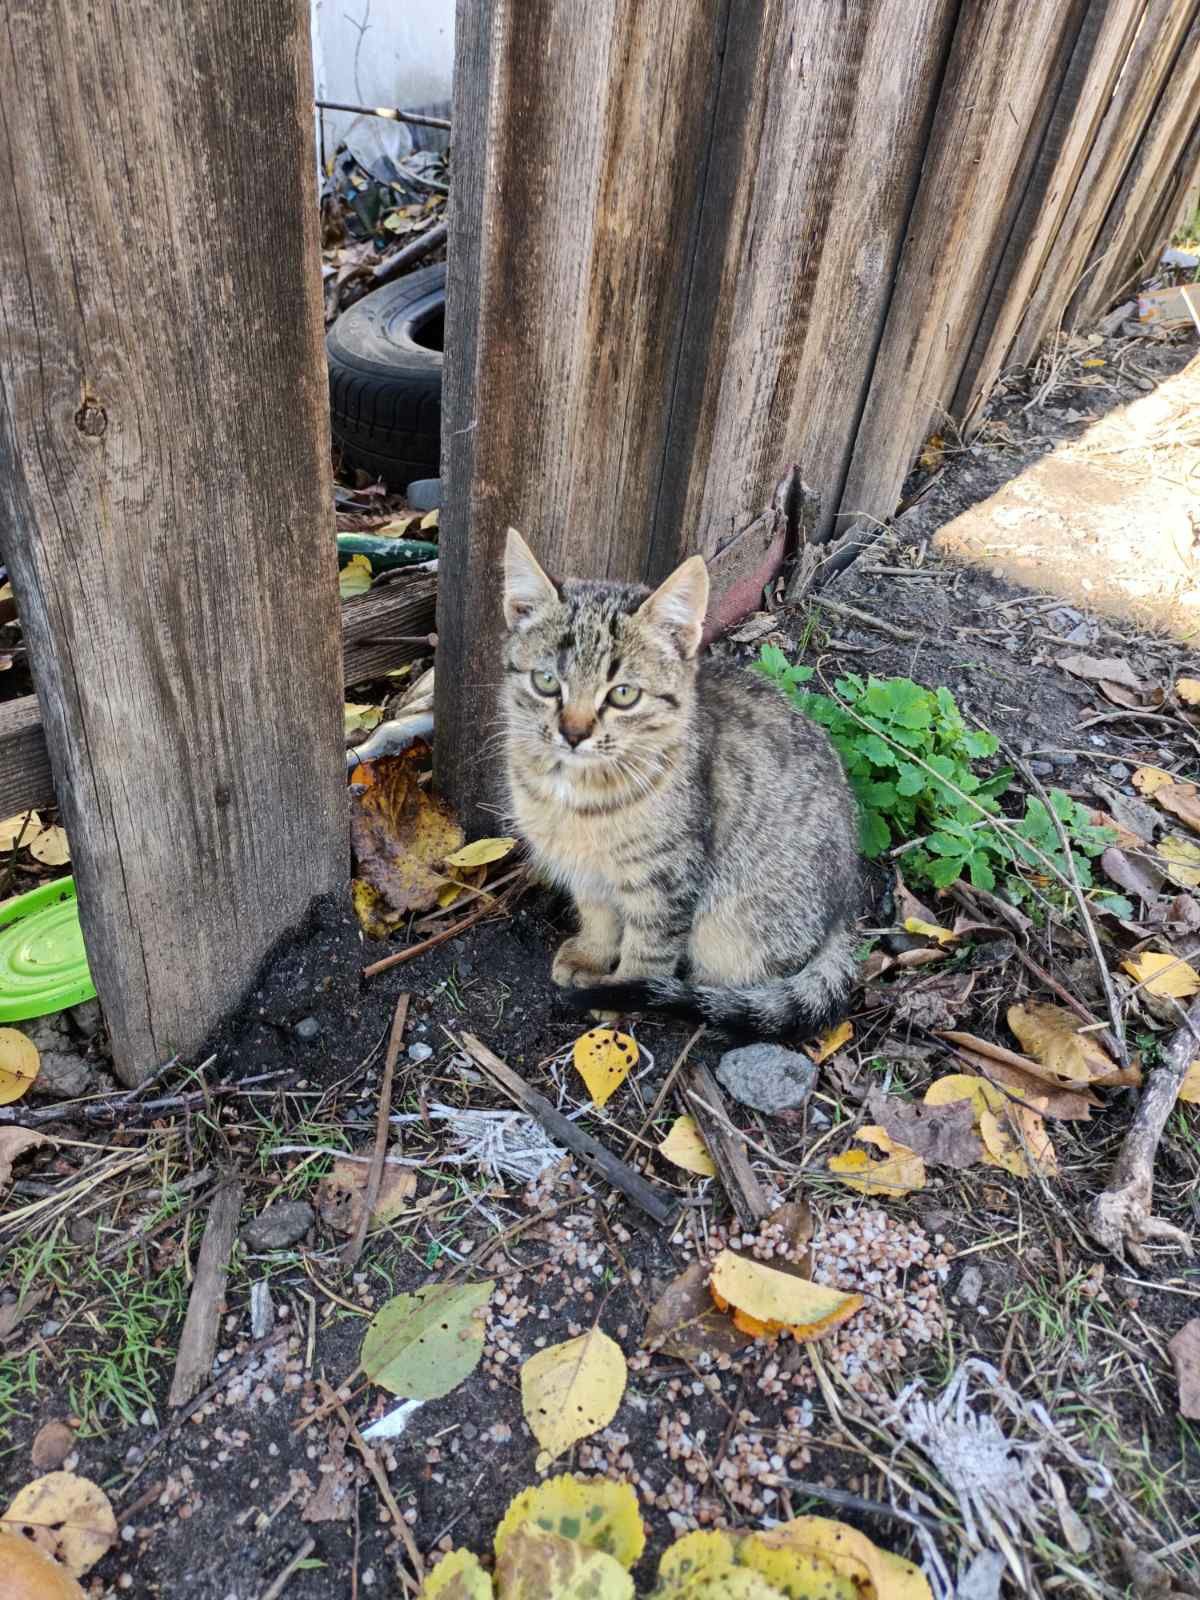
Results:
[43, 965]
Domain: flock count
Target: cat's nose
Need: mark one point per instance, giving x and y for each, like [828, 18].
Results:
[574, 727]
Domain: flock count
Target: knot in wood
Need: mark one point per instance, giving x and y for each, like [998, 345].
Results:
[91, 419]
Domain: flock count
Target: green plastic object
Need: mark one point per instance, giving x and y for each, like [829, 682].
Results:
[384, 554]
[43, 965]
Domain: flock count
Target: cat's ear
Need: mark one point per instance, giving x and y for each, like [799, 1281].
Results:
[527, 589]
[677, 606]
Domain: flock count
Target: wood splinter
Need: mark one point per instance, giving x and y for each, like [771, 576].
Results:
[1121, 1218]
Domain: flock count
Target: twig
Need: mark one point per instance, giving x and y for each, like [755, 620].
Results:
[853, 614]
[124, 1108]
[390, 113]
[661, 1096]
[392, 266]
[412, 950]
[380, 1477]
[855, 1502]
[1121, 1217]
[202, 1325]
[353, 1248]
[275, 1589]
[1112, 1000]
[660, 1207]
[703, 1098]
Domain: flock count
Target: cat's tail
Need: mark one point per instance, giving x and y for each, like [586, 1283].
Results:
[804, 1004]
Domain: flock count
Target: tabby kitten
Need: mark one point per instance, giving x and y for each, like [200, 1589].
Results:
[705, 829]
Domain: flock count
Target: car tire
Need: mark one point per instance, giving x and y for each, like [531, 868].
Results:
[385, 378]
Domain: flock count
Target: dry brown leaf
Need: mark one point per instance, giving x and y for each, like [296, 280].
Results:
[50, 847]
[15, 1142]
[943, 1135]
[1046, 1098]
[684, 1323]
[1126, 838]
[68, 1517]
[342, 1191]
[830, 1042]
[1149, 780]
[52, 1444]
[1188, 690]
[901, 1173]
[333, 1498]
[26, 825]
[401, 834]
[27, 1574]
[1182, 800]
[1136, 874]
[1185, 1353]
[1102, 669]
[1051, 1034]
[1117, 1078]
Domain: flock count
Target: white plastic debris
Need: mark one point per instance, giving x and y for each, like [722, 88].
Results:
[394, 1422]
[262, 1309]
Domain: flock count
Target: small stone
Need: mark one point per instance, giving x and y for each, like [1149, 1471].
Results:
[87, 1017]
[1061, 758]
[62, 1076]
[420, 1051]
[307, 1029]
[1119, 773]
[970, 1286]
[1041, 769]
[52, 1444]
[278, 1227]
[424, 494]
[767, 1077]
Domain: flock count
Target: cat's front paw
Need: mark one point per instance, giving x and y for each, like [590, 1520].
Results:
[578, 965]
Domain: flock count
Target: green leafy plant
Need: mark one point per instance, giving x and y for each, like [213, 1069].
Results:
[910, 757]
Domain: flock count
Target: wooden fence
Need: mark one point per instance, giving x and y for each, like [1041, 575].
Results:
[693, 242]
[698, 241]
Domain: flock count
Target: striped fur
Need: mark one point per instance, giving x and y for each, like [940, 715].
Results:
[704, 829]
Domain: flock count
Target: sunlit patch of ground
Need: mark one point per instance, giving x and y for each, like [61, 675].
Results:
[1109, 521]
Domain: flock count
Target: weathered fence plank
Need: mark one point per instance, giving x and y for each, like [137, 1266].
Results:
[1153, 51]
[1116, 260]
[819, 136]
[1003, 58]
[1100, 50]
[164, 485]
[24, 760]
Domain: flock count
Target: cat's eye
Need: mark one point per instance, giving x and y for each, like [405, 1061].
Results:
[624, 696]
[544, 682]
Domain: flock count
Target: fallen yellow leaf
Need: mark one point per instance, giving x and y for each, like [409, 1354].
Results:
[481, 853]
[355, 577]
[458, 1576]
[1188, 690]
[684, 1147]
[776, 1300]
[830, 1041]
[360, 718]
[983, 1096]
[604, 1058]
[1051, 1034]
[25, 827]
[900, 1174]
[429, 520]
[1164, 975]
[596, 1511]
[19, 1063]
[792, 1572]
[1148, 780]
[851, 1554]
[50, 847]
[572, 1390]
[1189, 1089]
[1180, 860]
[464, 878]
[928, 930]
[1001, 1149]
[537, 1565]
[1182, 800]
[400, 834]
[69, 1518]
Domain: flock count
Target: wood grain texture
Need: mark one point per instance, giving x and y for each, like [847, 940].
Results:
[24, 760]
[164, 485]
[819, 135]
[1100, 49]
[1004, 57]
[1154, 48]
[1118, 256]
[371, 644]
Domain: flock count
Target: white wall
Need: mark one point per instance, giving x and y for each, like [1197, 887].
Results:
[380, 53]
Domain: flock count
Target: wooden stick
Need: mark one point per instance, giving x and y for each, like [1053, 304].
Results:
[660, 1207]
[354, 1246]
[380, 1477]
[702, 1096]
[1121, 1217]
[202, 1325]
[392, 266]
[274, 1590]
[412, 950]
[853, 614]
[419, 119]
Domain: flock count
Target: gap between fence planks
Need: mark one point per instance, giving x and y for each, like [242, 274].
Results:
[206, 1304]
[371, 644]
[658, 1206]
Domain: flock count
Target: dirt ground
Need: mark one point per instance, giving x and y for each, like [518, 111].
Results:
[100, 1234]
